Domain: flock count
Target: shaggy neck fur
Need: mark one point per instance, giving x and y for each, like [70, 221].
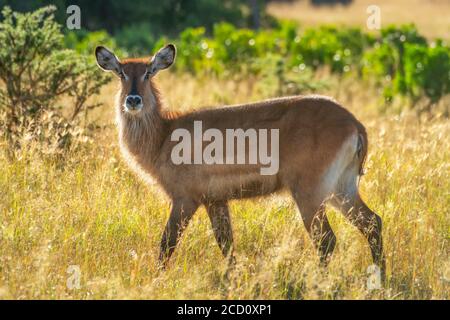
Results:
[141, 135]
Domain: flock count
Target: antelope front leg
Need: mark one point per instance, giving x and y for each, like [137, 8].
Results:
[180, 215]
[221, 223]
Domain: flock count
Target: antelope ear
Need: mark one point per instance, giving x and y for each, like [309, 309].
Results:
[107, 60]
[163, 59]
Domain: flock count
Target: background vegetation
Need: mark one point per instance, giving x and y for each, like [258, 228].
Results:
[66, 197]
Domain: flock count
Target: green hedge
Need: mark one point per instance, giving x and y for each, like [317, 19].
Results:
[399, 59]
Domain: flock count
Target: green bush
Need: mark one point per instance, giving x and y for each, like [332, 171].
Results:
[166, 17]
[403, 63]
[193, 51]
[340, 49]
[37, 72]
[399, 60]
[84, 42]
[277, 79]
[426, 72]
[138, 39]
[231, 50]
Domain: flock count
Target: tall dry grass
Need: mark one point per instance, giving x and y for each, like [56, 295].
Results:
[87, 209]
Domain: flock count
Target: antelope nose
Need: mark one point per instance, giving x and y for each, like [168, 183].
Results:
[133, 101]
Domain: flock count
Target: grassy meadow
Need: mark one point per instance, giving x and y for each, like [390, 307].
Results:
[87, 209]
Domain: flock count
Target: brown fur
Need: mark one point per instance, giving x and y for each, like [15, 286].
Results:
[315, 132]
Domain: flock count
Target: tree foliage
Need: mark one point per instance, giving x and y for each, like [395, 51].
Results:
[165, 17]
[399, 60]
[37, 72]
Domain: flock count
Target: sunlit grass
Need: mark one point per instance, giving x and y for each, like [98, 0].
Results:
[88, 209]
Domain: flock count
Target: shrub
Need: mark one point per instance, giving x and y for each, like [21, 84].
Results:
[399, 60]
[427, 72]
[193, 51]
[277, 78]
[232, 50]
[229, 51]
[403, 63]
[37, 73]
[84, 42]
[340, 49]
[137, 38]
[166, 17]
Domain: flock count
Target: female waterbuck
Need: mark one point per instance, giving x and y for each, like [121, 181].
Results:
[321, 152]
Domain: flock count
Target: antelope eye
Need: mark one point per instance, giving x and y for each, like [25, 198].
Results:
[147, 76]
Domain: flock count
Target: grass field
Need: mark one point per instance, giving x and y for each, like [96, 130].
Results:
[88, 210]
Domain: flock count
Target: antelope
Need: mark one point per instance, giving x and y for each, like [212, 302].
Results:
[322, 150]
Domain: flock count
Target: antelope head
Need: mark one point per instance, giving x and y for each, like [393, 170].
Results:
[137, 92]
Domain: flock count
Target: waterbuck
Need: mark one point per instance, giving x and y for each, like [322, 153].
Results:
[322, 149]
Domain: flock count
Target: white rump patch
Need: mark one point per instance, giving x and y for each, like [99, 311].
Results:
[340, 177]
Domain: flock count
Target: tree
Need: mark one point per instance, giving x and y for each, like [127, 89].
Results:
[37, 72]
[165, 17]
